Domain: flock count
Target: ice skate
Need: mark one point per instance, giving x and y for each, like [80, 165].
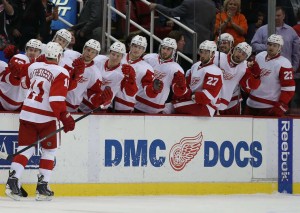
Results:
[43, 191]
[13, 190]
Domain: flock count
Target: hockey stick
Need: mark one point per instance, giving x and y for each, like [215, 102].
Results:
[9, 157]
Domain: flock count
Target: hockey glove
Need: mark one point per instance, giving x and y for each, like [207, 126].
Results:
[129, 73]
[102, 98]
[68, 121]
[157, 85]
[255, 69]
[9, 51]
[78, 68]
[15, 69]
[179, 79]
[279, 109]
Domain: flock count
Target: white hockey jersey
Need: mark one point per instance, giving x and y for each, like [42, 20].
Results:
[209, 80]
[47, 83]
[91, 79]
[232, 75]
[277, 81]
[11, 95]
[110, 77]
[163, 71]
[144, 72]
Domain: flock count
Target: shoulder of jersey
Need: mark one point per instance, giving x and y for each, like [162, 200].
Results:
[72, 54]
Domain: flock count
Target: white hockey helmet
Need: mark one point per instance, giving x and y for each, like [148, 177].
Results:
[245, 47]
[139, 40]
[53, 50]
[169, 42]
[277, 39]
[64, 34]
[118, 47]
[34, 43]
[208, 45]
[226, 37]
[94, 44]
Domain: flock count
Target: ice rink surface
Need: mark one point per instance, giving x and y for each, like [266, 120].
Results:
[276, 203]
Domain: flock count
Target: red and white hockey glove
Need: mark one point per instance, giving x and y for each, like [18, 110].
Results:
[157, 85]
[179, 84]
[41, 58]
[68, 121]
[179, 79]
[78, 68]
[255, 69]
[102, 98]
[15, 69]
[279, 109]
[129, 73]
[9, 51]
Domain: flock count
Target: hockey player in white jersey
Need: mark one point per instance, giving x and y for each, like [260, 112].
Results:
[12, 94]
[167, 71]
[90, 81]
[115, 76]
[277, 82]
[144, 76]
[236, 74]
[225, 43]
[70, 59]
[204, 81]
[47, 85]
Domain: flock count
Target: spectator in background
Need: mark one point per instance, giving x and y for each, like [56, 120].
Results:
[73, 40]
[232, 21]
[6, 11]
[29, 22]
[179, 37]
[290, 50]
[51, 14]
[297, 26]
[89, 23]
[253, 27]
[198, 15]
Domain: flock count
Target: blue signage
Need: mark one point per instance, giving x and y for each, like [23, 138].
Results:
[67, 9]
[9, 145]
[285, 155]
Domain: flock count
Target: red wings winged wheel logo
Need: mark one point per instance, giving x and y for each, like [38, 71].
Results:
[183, 152]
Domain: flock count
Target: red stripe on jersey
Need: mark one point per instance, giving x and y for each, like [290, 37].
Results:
[126, 103]
[149, 103]
[71, 105]
[37, 111]
[8, 100]
[262, 100]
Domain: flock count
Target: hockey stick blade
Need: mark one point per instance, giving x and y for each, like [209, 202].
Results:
[9, 157]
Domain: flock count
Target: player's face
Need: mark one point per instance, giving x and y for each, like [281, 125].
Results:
[239, 55]
[166, 52]
[272, 49]
[89, 54]
[32, 53]
[224, 46]
[204, 56]
[115, 58]
[63, 42]
[136, 51]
